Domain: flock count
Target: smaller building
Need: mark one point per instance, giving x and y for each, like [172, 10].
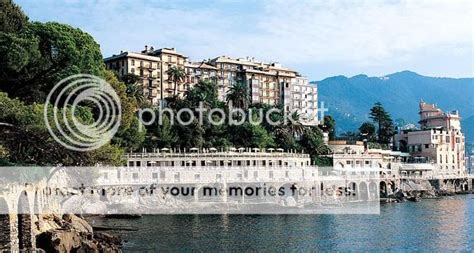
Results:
[439, 141]
[353, 155]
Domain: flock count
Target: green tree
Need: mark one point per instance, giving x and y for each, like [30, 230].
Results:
[385, 128]
[28, 141]
[312, 142]
[130, 79]
[287, 132]
[238, 94]
[367, 131]
[250, 135]
[176, 75]
[206, 92]
[12, 18]
[328, 125]
[134, 90]
[35, 59]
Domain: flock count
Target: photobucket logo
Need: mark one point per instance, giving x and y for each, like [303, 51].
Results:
[64, 108]
[234, 116]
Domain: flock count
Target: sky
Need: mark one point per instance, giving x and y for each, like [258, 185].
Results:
[317, 38]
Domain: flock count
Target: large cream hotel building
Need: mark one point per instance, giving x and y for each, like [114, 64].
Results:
[268, 83]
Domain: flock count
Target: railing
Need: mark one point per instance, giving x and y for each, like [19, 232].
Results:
[217, 155]
[207, 175]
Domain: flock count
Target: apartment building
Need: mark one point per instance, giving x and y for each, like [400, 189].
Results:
[268, 83]
[152, 67]
[440, 139]
[199, 71]
[169, 57]
[147, 67]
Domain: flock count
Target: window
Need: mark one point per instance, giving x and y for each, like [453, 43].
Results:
[197, 176]
[133, 62]
[139, 163]
[270, 174]
[130, 163]
[154, 175]
[135, 176]
[427, 146]
[255, 174]
[132, 70]
[162, 175]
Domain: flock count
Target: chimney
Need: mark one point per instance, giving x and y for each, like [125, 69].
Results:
[146, 48]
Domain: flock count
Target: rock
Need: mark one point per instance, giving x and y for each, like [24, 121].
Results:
[107, 238]
[58, 241]
[71, 233]
[77, 223]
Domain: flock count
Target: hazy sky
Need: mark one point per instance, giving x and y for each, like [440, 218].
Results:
[318, 38]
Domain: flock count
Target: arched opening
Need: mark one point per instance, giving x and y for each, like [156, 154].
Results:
[37, 205]
[24, 223]
[383, 189]
[353, 191]
[363, 191]
[373, 191]
[5, 229]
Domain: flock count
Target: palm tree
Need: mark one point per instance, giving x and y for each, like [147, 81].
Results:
[176, 75]
[291, 127]
[135, 91]
[238, 94]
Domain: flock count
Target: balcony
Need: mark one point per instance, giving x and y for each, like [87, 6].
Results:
[147, 66]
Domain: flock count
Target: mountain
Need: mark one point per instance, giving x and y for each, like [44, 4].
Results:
[468, 127]
[349, 99]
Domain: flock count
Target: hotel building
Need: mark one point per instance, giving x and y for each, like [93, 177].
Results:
[152, 67]
[439, 141]
[268, 83]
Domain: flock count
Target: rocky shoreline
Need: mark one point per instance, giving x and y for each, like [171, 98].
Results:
[70, 233]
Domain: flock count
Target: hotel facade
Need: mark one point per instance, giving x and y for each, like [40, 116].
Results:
[439, 140]
[268, 83]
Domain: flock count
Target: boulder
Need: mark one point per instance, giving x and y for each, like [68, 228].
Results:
[71, 233]
[77, 223]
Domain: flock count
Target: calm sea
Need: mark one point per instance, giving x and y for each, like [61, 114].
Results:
[430, 225]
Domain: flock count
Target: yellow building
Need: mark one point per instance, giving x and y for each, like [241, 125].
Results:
[268, 83]
[148, 68]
